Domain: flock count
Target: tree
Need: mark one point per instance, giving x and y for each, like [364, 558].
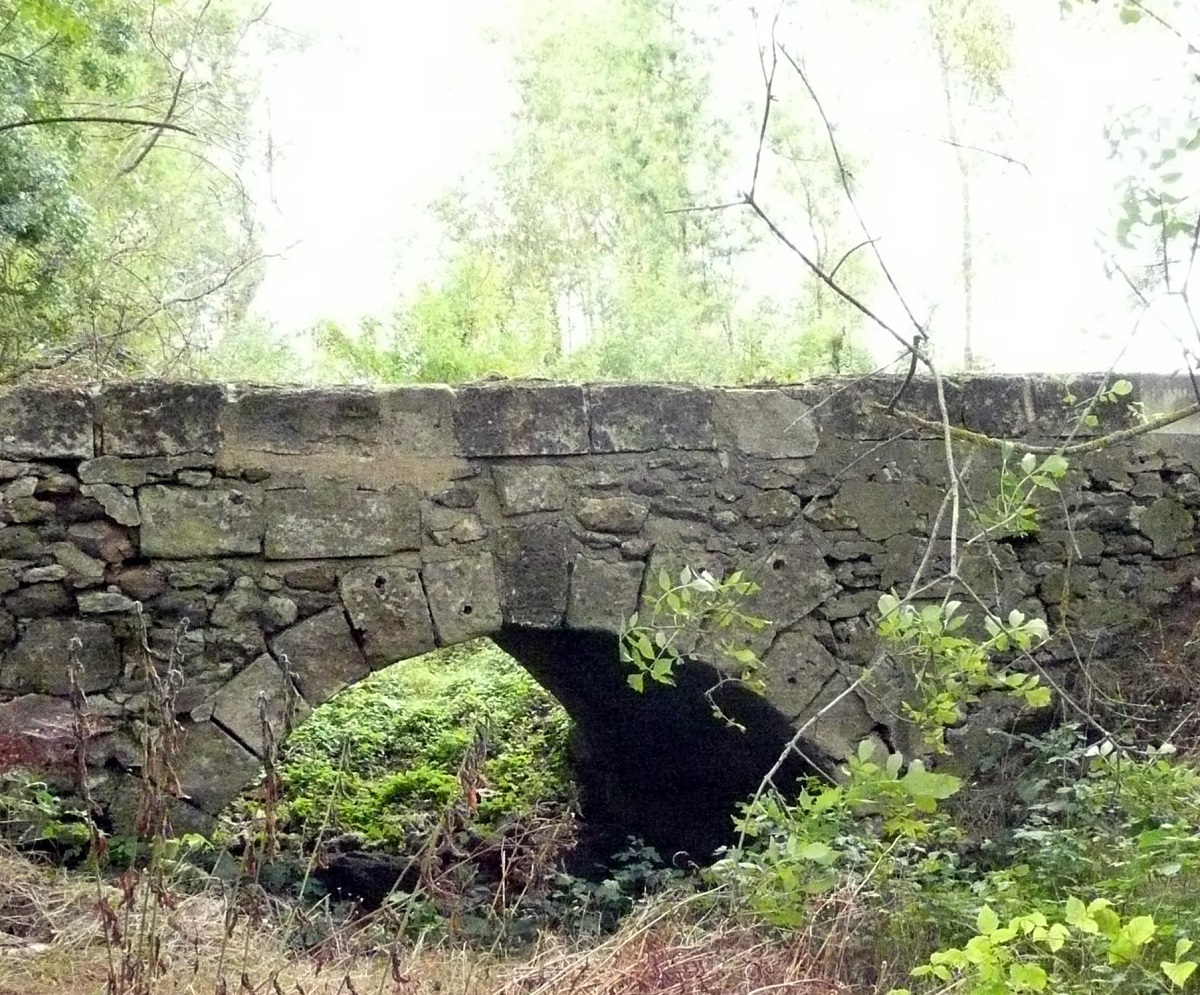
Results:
[971, 41]
[122, 244]
[584, 252]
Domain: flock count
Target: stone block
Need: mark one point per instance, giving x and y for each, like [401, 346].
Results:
[159, 418]
[341, 521]
[387, 607]
[83, 570]
[793, 579]
[1169, 525]
[186, 522]
[534, 574]
[603, 594]
[40, 601]
[523, 489]
[133, 472]
[1163, 393]
[883, 509]
[103, 602]
[121, 508]
[40, 660]
[235, 706]
[46, 423]
[105, 540]
[639, 418]
[462, 598]
[419, 420]
[511, 419]
[771, 508]
[621, 516]
[858, 410]
[1055, 417]
[795, 669]
[214, 768]
[1000, 406]
[322, 654]
[765, 423]
[291, 421]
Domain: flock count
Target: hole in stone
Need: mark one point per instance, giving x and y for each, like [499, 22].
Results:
[380, 583]
[467, 609]
[236, 497]
[777, 564]
[793, 680]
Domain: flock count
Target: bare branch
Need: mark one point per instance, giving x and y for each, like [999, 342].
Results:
[821, 275]
[848, 254]
[187, 64]
[844, 176]
[982, 151]
[95, 119]
[770, 98]
[1163, 23]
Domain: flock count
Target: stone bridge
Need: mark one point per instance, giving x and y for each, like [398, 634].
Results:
[344, 529]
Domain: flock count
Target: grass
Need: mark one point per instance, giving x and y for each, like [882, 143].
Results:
[52, 942]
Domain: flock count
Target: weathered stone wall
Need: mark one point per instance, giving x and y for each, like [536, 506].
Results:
[344, 529]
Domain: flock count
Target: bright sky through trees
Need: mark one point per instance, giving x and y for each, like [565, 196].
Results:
[385, 105]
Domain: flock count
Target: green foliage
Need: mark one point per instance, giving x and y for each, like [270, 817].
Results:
[576, 256]
[32, 815]
[975, 39]
[1155, 145]
[951, 670]
[698, 608]
[881, 819]
[1088, 949]
[133, 241]
[1011, 511]
[386, 752]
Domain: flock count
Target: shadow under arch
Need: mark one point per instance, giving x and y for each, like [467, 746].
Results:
[657, 765]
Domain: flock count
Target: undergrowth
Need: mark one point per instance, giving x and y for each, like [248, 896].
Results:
[384, 759]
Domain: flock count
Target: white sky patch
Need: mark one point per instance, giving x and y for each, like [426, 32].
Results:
[391, 103]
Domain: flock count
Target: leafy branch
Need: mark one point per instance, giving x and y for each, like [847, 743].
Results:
[697, 607]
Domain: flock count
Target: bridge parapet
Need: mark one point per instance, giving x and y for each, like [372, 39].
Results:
[342, 529]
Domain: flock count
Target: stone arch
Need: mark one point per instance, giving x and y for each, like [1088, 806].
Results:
[658, 766]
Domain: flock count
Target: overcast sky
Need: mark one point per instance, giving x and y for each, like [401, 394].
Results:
[389, 101]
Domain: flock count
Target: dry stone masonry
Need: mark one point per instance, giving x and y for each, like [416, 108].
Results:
[340, 530]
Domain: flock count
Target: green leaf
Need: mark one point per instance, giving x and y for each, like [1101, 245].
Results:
[1038, 697]
[637, 682]
[818, 853]
[987, 922]
[1129, 940]
[1027, 977]
[1179, 971]
[661, 671]
[920, 783]
[1121, 388]
[1055, 465]
[1028, 463]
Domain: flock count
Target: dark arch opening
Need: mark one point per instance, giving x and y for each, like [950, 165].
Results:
[656, 765]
